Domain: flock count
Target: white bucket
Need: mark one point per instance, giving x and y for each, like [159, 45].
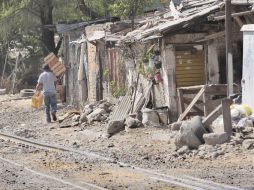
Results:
[150, 117]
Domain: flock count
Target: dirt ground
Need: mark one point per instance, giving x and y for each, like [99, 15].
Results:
[149, 148]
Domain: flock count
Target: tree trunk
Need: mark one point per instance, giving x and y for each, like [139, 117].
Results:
[86, 10]
[46, 9]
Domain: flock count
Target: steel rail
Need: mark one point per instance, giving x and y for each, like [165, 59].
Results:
[89, 186]
[191, 183]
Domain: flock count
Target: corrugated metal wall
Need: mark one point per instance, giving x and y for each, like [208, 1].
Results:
[190, 68]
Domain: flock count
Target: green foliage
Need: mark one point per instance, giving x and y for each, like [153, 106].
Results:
[128, 8]
[115, 90]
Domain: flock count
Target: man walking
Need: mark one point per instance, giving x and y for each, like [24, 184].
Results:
[47, 82]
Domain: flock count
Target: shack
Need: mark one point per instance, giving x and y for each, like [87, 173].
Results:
[188, 41]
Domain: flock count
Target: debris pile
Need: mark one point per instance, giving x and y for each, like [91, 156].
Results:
[96, 112]
[196, 137]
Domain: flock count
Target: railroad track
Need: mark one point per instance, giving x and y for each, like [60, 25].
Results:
[183, 181]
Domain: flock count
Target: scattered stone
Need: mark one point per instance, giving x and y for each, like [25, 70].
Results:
[75, 123]
[175, 126]
[66, 123]
[75, 118]
[245, 123]
[183, 150]
[236, 140]
[133, 123]
[111, 145]
[88, 109]
[114, 127]
[213, 138]
[83, 118]
[248, 144]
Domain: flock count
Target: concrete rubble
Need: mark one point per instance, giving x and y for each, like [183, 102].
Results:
[191, 137]
[195, 139]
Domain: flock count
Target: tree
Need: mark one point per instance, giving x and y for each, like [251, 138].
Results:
[128, 8]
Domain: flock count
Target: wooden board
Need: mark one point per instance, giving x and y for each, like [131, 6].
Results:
[54, 64]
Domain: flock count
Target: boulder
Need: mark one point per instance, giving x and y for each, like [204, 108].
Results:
[215, 138]
[191, 134]
[133, 123]
[114, 127]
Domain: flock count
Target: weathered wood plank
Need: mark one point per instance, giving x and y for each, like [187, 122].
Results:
[212, 116]
[242, 2]
[227, 116]
[181, 101]
[184, 38]
[185, 113]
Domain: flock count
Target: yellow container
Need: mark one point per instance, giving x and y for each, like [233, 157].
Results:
[37, 101]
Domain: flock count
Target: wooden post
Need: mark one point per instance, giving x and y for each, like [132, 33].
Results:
[227, 116]
[66, 63]
[180, 100]
[229, 53]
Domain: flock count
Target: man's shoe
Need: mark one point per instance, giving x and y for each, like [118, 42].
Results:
[54, 116]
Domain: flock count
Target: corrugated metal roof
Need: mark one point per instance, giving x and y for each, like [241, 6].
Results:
[122, 109]
[177, 17]
[61, 28]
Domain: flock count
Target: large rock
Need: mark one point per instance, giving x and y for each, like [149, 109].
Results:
[191, 134]
[133, 123]
[214, 138]
[114, 127]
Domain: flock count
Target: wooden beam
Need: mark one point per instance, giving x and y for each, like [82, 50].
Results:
[239, 21]
[227, 116]
[234, 15]
[196, 108]
[180, 100]
[194, 101]
[184, 38]
[212, 116]
[213, 36]
[242, 2]
[229, 52]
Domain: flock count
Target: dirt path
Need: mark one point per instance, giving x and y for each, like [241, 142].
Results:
[149, 148]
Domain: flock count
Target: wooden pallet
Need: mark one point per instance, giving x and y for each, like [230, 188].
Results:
[54, 64]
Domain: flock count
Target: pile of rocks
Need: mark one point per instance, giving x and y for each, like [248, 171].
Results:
[116, 126]
[195, 139]
[96, 112]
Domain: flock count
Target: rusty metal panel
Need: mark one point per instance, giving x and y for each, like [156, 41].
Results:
[190, 68]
